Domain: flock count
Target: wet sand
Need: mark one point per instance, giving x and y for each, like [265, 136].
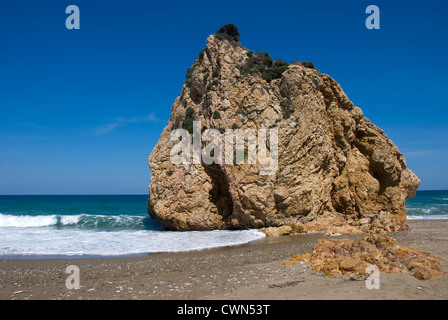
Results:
[251, 271]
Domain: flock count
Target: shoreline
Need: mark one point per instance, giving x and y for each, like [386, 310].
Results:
[259, 241]
[252, 270]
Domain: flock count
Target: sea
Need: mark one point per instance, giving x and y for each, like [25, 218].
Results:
[79, 226]
[61, 226]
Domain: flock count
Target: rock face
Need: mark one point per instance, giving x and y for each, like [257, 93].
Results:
[345, 256]
[335, 167]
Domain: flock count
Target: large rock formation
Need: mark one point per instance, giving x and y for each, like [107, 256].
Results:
[335, 167]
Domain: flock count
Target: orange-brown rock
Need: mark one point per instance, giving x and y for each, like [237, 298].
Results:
[276, 231]
[335, 168]
[335, 230]
[301, 257]
[345, 256]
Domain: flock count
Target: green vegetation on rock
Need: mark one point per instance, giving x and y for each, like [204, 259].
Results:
[187, 124]
[228, 32]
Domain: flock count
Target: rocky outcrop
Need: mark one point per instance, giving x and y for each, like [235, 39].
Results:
[276, 231]
[348, 257]
[335, 168]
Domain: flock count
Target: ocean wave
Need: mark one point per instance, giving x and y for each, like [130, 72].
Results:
[81, 242]
[427, 211]
[80, 221]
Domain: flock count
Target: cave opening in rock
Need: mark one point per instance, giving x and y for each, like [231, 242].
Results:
[219, 194]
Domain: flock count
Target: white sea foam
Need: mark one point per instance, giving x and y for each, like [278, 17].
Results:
[433, 216]
[51, 241]
[81, 220]
[101, 235]
[27, 221]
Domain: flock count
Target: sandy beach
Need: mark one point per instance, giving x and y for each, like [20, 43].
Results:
[251, 271]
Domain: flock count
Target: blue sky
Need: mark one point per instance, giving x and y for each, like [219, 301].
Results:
[81, 110]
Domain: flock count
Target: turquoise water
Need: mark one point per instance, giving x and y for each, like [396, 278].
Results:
[114, 225]
[428, 205]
